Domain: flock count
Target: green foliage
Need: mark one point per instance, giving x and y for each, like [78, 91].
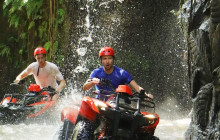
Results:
[31, 25]
[47, 45]
[23, 35]
[61, 15]
[20, 52]
[36, 23]
[42, 29]
[5, 51]
[14, 20]
[56, 45]
[132, 61]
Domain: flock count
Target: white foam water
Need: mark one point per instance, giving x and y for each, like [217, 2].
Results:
[172, 129]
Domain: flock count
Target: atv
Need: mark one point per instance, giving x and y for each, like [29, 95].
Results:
[16, 108]
[119, 118]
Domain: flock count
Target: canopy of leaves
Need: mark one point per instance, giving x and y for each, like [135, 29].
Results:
[36, 23]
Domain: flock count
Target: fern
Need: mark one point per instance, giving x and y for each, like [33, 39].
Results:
[4, 50]
[61, 16]
[31, 25]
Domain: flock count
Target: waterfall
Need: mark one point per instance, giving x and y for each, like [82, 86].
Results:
[148, 43]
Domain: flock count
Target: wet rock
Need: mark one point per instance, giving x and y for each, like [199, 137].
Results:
[202, 31]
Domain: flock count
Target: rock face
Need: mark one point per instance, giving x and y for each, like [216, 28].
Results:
[201, 26]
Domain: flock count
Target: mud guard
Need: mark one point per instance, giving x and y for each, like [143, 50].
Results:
[86, 110]
[70, 113]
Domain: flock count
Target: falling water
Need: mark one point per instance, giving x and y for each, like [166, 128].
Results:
[102, 23]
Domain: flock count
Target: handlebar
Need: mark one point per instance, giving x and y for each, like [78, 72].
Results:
[49, 88]
[142, 96]
[21, 82]
[14, 84]
[99, 92]
[106, 82]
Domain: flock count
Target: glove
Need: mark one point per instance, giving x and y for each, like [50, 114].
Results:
[142, 93]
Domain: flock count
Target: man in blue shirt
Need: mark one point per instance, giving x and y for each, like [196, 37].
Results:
[116, 75]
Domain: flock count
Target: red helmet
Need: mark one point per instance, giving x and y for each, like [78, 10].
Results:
[39, 50]
[106, 51]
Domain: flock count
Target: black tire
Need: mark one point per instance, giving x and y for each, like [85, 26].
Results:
[155, 138]
[84, 130]
[148, 137]
[66, 131]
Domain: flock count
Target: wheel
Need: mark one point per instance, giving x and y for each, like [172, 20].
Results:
[155, 138]
[66, 130]
[84, 130]
[150, 138]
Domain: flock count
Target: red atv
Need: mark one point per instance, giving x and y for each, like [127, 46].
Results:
[16, 108]
[119, 118]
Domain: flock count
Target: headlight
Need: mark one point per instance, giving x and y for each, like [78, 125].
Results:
[150, 116]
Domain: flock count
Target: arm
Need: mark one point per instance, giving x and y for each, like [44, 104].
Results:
[137, 88]
[61, 85]
[58, 89]
[59, 77]
[21, 76]
[90, 82]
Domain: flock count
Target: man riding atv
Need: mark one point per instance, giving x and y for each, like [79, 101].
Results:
[45, 73]
[116, 75]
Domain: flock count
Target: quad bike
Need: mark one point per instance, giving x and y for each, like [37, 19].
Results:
[115, 119]
[16, 108]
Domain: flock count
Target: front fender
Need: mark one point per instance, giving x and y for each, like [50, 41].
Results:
[70, 113]
[88, 109]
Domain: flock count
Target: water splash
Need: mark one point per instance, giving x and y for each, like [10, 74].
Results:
[81, 51]
[172, 129]
[41, 129]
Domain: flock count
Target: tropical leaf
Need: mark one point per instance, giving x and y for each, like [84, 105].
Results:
[20, 51]
[61, 15]
[23, 35]
[14, 20]
[6, 3]
[42, 29]
[4, 50]
[47, 45]
[31, 25]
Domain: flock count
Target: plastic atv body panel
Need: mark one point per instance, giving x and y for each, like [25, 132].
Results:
[116, 118]
[16, 108]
